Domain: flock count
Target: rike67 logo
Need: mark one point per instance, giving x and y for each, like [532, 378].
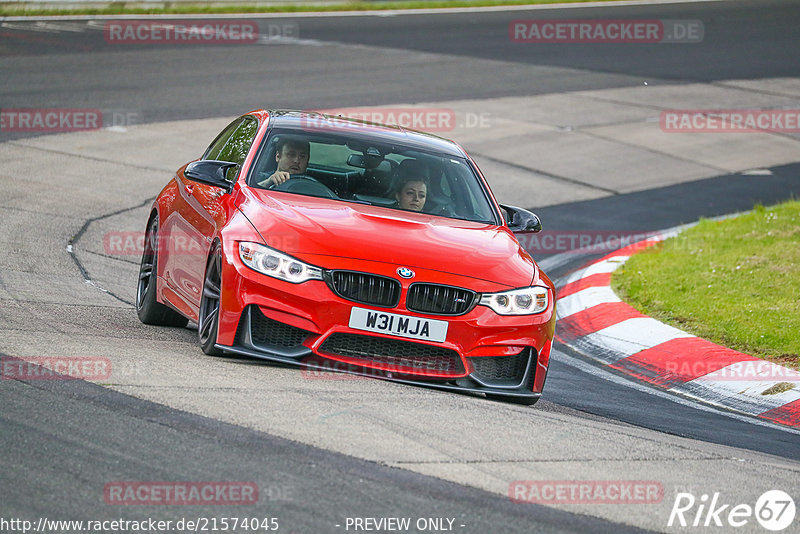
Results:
[774, 510]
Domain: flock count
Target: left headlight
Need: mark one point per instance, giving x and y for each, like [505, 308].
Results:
[525, 301]
[277, 264]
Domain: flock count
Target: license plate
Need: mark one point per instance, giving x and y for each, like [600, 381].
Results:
[398, 325]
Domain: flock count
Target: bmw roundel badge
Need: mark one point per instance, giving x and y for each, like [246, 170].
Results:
[405, 272]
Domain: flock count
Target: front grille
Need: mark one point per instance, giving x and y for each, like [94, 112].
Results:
[439, 299]
[365, 288]
[393, 352]
[500, 370]
[266, 331]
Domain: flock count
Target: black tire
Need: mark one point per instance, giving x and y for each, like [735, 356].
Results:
[149, 310]
[524, 401]
[208, 318]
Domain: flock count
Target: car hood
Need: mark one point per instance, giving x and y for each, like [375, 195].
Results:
[307, 226]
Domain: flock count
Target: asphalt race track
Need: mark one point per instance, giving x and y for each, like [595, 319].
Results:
[564, 129]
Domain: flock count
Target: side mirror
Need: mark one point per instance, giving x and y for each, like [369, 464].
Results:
[520, 220]
[211, 172]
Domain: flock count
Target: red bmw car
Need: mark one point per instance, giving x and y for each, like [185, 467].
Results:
[349, 246]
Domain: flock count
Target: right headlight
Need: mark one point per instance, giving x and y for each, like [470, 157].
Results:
[524, 301]
[277, 264]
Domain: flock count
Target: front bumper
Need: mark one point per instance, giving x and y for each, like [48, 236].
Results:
[308, 324]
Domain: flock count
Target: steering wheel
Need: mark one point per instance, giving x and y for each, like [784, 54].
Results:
[304, 185]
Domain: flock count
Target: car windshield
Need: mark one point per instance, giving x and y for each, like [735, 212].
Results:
[360, 170]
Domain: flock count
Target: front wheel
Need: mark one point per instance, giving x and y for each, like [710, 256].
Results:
[208, 318]
[149, 310]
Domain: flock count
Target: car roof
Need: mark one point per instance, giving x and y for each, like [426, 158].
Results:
[309, 121]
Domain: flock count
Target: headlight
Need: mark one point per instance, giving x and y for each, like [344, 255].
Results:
[525, 301]
[277, 264]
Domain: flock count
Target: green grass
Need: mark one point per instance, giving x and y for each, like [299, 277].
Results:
[121, 8]
[735, 282]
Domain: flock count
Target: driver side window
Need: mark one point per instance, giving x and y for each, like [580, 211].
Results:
[213, 151]
[238, 146]
[234, 146]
